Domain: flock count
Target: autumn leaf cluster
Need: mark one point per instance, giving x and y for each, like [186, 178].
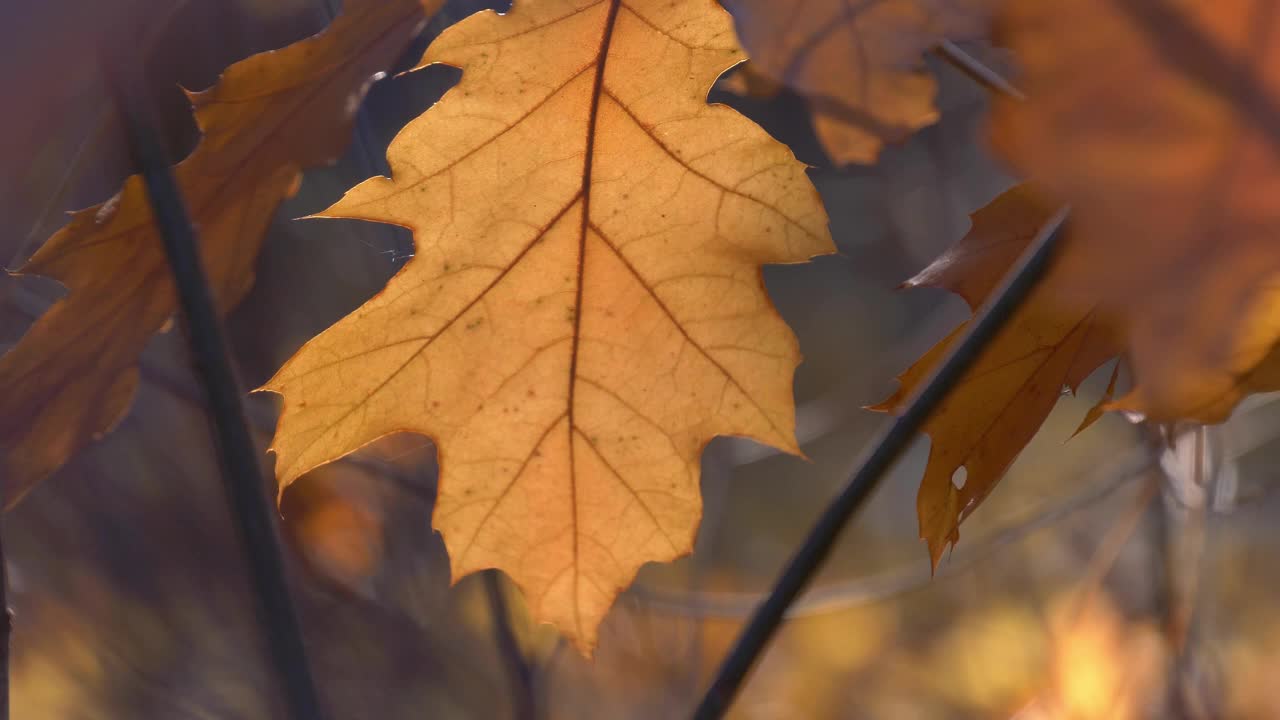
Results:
[586, 311]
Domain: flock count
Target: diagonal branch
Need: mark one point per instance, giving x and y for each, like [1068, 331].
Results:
[764, 623]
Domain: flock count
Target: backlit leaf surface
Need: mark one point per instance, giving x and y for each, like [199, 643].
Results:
[585, 310]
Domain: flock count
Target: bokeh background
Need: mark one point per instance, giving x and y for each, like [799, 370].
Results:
[1128, 573]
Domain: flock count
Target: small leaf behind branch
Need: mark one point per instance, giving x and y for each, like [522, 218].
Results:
[995, 410]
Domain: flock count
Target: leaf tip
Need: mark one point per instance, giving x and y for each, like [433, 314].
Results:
[890, 403]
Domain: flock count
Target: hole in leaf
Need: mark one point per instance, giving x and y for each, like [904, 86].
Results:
[959, 477]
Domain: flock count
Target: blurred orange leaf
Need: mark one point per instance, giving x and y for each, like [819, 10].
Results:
[1159, 123]
[585, 310]
[860, 65]
[73, 375]
[338, 525]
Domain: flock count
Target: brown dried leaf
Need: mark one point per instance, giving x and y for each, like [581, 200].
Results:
[1000, 403]
[73, 375]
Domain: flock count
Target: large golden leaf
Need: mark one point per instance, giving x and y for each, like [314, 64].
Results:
[73, 374]
[1004, 398]
[1159, 123]
[859, 62]
[585, 310]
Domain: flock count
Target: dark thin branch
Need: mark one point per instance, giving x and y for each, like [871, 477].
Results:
[883, 453]
[977, 71]
[524, 704]
[246, 491]
[264, 424]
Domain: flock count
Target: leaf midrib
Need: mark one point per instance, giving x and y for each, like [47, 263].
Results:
[588, 160]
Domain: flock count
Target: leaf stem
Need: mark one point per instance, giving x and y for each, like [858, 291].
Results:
[246, 491]
[890, 444]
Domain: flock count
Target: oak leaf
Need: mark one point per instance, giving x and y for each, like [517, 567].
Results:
[585, 310]
[1159, 123]
[859, 64]
[1004, 398]
[73, 374]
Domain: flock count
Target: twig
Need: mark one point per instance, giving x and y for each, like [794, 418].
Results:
[883, 453]
[239, 457]
[1187, 502]
[523, 695]
[977, 70]
[1109, 548]
[60, 190]
[840, 596]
